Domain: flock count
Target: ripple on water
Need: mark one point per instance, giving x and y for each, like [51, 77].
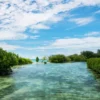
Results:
[70, 81]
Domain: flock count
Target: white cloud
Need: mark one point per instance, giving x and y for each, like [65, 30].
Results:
[89, 2]
[82, 21]
[22, 13]
[7, 35]
[34, 37]
[71, 44]
[6, 46]
[76, 45]
[42, 2]
[55, 1]
[18, 15]
[40, 26]
[65, 46]
[92, 34]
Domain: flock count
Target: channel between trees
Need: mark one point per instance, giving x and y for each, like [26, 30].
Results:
[9, 59]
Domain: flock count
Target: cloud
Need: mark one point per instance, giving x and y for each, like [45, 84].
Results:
[75, 45]
[25, 13]
[65, 46]
[19, 15]
[42, 3]
[89, 2]
[92, 34]
[40, 26]
[7, 35]
[34, 37]
[71, 44]
[82, 21]
[6, 46]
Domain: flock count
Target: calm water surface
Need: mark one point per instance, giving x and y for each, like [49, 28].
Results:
[71, 81]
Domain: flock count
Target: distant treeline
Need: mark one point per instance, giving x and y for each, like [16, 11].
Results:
[82, 57]
[92, 59]
[8, 60]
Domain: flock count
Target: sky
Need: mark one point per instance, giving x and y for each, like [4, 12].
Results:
[33, 28]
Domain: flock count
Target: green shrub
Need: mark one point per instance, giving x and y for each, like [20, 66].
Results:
[57, 58]
[98, 53]
[8, 59]
[68, 59]
[94, 64]
[88, 54]
[37, 59]
[77, 58]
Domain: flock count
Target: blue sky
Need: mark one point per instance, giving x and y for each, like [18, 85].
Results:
[33, 28]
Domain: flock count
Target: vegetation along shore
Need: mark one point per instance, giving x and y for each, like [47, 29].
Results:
[8, 60]
[92, 59]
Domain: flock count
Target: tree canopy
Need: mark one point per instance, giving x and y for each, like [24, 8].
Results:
[57, 58]
[82, 57]
[9, 59]
[88, 54]
[37, 59]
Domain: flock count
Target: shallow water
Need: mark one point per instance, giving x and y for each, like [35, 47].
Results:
[70, 81]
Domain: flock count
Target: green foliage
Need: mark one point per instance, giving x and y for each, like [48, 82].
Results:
[37, 59]
[45, 60]
[4, 63]
[12, 58]
[98, 53]
[94, 64]
[8, 59]
[57, 58]
[88, 54]
[68, 59]
[23, 61]
[62, 59]
[77, 58]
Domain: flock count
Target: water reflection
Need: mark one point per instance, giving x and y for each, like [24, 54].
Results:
[51, 82]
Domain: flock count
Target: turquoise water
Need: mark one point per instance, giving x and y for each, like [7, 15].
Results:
[72, 81]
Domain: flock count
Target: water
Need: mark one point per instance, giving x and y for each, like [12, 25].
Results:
[72, 81]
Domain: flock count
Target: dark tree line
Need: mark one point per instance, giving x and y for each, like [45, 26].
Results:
[8, 60]
[90, 54]
[63, 59]
[82, 57]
